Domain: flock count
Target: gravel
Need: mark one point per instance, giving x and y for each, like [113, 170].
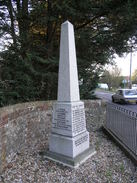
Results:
[109, 164]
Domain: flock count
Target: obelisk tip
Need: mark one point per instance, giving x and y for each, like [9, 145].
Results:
[66, 22]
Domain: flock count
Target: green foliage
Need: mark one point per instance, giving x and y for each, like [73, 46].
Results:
[134, 77]
[29, 65]
[23, 81]
[122, 168]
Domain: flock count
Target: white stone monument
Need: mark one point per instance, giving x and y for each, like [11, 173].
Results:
[69, 140]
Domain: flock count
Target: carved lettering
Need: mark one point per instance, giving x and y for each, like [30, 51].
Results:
[81, 140]
[61, 120]
[78, 120]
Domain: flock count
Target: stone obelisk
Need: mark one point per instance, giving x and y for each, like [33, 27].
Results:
[69, 139]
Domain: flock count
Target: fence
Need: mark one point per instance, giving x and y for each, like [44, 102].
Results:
[123, 124]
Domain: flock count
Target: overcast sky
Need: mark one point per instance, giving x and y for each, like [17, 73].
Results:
[124, 63]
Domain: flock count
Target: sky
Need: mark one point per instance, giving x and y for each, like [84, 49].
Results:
[124, 63]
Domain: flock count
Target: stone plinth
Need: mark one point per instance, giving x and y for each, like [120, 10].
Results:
[68, 161]
[69, 135]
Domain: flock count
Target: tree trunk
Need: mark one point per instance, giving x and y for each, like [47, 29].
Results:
[23, 23]
[50, 29]
[10, 10]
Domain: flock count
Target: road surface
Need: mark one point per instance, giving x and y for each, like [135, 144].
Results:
[107, 97]
[104, 95]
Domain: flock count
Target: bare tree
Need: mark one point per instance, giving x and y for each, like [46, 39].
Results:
[112, 77]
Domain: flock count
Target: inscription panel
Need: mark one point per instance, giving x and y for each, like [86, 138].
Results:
[81, 140]
[69, 119]
[61, 120]
[78, 118]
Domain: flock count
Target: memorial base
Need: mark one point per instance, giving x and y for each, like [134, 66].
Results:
[70, 162]
[69, 146]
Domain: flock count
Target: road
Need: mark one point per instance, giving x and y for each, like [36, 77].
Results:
[104, 95]
[107, 97]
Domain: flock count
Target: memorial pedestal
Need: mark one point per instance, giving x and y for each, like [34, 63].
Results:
[69, 135]
[69, 140]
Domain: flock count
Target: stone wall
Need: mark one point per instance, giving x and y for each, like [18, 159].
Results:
[27, 126]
